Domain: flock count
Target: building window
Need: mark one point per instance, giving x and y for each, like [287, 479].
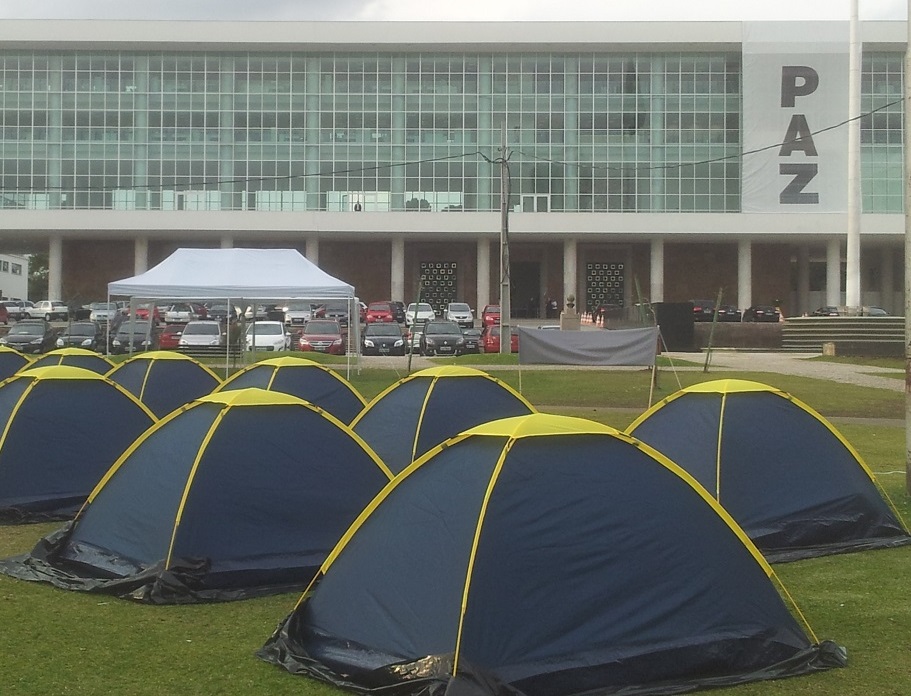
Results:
[4, 266]
[17, 268]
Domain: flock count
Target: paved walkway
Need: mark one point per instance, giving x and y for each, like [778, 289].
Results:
[799, 364]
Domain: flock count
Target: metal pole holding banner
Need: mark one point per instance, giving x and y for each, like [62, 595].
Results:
[907, 112]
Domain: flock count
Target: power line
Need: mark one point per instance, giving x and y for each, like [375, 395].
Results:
[185, 185]
[679, 165]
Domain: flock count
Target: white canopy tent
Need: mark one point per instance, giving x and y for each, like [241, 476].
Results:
[239, 275]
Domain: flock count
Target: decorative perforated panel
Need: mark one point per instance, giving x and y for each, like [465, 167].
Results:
[439, 285]
[603, 285]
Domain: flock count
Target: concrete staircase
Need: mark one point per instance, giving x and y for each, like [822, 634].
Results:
[848, 335]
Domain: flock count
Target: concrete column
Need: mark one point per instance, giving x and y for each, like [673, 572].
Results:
[745, 274]
[55, 269]
[833, 273]
[397, 270]
[140, 255]
[227, 242]
[886, 295]
[483, 279]
[656, 287]
[570, 278]
[311, 251]
[803, 279]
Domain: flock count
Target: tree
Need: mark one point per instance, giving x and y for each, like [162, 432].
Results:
[37, 275]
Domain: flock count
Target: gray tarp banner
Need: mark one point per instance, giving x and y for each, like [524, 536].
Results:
[607, 347]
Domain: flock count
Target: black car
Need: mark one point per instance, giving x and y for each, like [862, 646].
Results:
[82, 334]
[134, 336]
[442, 338]
[472, 340]
[703, 310]
[398, 311]
[31, 336]
[761, 313]
[383, 339]
[728, 312]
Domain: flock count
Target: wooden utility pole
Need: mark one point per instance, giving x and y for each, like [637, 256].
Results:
[505, 304]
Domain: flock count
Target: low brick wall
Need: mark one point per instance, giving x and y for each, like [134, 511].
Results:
[755, 335]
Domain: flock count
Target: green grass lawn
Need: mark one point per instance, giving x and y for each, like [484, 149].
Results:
[59, 642]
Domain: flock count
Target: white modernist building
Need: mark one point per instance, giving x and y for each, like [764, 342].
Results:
[645, 160]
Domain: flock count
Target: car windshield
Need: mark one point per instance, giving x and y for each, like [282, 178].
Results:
[26, 330]
[322, 328]
[136, 327]
[422, 307]
[299, 307]
[82, 330]
[492, 310]
[442, 328]
[103, 305]
[383, 330]
[202, 329]
[379, 307]
[265, 329]
[458, 307]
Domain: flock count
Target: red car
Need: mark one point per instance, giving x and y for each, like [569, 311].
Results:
[169, 338]
[322, 336]
[491, 315]
[142, 312]
[490, 339]
[380, 312]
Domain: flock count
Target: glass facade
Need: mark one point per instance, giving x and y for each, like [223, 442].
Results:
[591, 132]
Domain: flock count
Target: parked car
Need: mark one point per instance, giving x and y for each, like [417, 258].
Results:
[267, 335]
[134, 335]
[102, 311]
[202, 333]
[181, 313]
[83, 334]
[398, 309]
[17, 309]
[873, 312]
[297, 312]
[442, 338]
[419, 312]
[490, 339]
[219, 311]
[169, 338]
[490, 315]
[323, 336]
[49, 310]
[334, 310]
[4, 314]
[460, 313]
[383, 339]
[260, 313]
[766, 313]
[143, 311]
[827, 311]
[728, 312]
[379, 312]
[703, 310]
[31, 336]
[413, 337]
[472, 338]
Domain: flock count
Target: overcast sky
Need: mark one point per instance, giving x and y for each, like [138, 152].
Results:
[473, 10]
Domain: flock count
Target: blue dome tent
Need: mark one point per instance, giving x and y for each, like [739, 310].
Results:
[65, 427]
[546, 556]
[164, 380]
[305, 379]
[75, 357]
[426, 408]
[790, 479]
[237, 494]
